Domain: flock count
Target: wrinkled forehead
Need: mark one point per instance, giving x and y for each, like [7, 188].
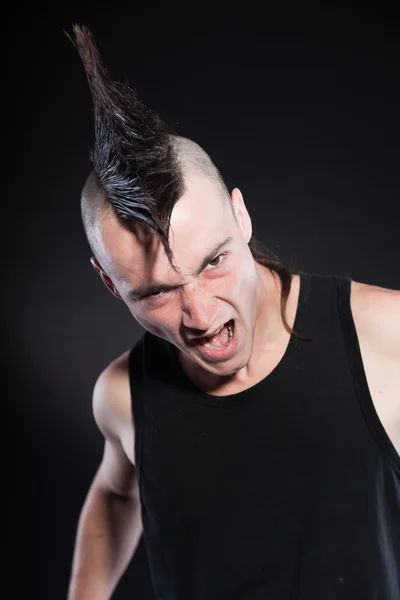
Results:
[201, 218]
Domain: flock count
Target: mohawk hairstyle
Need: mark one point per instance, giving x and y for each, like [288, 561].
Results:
[135, 161]
[132, 160]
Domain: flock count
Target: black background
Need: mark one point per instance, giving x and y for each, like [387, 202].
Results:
[299, 108]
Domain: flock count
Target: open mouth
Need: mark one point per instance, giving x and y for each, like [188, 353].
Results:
[220, 345]
[220, 338]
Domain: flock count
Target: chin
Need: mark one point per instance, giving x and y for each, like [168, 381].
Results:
[225, 368]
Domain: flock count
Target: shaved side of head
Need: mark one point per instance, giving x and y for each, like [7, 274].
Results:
[193, 159]
[94, 206]
[190, 158]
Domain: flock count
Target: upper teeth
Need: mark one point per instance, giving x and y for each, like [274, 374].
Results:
[229, 327]
[217, 332]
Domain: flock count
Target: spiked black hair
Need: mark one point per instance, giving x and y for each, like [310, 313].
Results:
[135, 163]
[132, 159]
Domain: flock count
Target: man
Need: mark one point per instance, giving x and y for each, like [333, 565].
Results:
[253, 433]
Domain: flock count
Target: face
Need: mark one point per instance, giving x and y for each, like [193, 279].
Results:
[215, 286]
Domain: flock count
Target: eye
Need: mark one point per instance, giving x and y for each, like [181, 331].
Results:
[156, 295]
[215, 262]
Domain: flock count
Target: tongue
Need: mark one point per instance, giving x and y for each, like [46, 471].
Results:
[219, 340]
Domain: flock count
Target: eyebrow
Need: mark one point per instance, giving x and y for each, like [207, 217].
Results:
[156, 288]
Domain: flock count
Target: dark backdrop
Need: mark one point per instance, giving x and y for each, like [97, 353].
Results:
[298, 107]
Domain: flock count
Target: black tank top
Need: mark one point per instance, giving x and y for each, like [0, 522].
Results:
[289, 490]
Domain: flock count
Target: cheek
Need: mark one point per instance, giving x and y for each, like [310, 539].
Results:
[233, 285]
[159, 322]
[241, 283]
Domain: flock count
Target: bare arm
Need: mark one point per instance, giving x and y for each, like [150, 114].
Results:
[110, 525]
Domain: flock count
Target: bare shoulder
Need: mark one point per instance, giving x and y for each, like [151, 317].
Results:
[376, 313]
[112, 407]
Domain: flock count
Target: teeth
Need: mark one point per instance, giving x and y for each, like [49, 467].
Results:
[230, 331]
[216, 332]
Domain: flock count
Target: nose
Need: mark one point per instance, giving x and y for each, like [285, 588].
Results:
[199, 309]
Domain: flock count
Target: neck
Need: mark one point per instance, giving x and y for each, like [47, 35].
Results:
[269, 325]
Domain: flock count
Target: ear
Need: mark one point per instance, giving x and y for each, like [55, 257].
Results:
[241, 214]
[104, 277]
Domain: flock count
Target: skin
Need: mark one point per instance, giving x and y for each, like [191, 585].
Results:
[232, 286]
